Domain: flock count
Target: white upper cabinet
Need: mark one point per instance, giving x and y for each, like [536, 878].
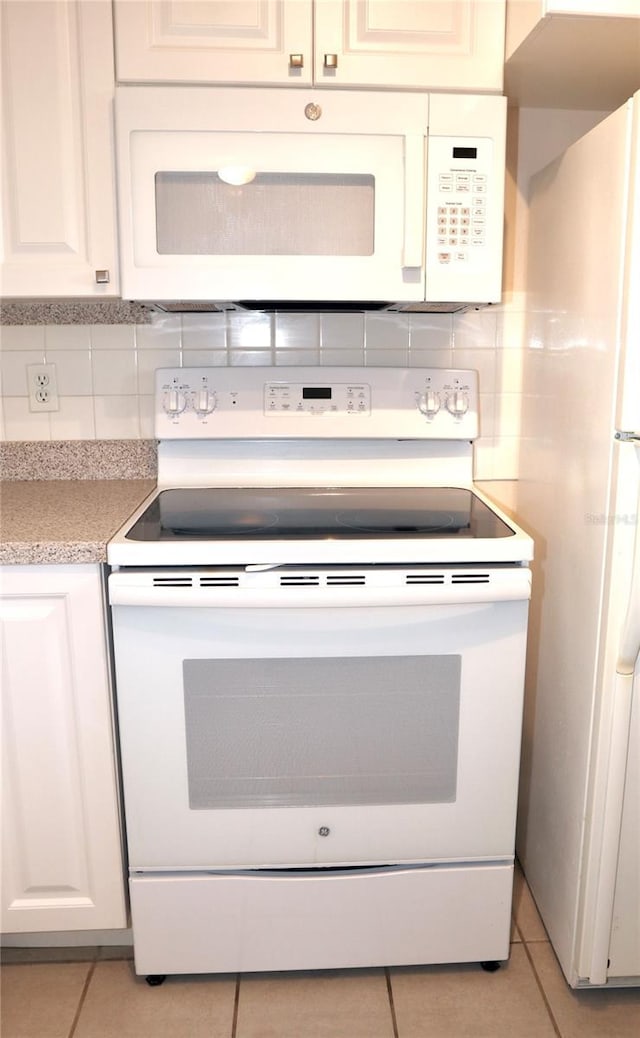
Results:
[599, 8]
[572, 53]
[407, 44]
[458, 45]
[197, 41]
[58, 194]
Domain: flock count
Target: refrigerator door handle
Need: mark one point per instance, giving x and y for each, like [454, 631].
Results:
[626, 436]
[630, 638]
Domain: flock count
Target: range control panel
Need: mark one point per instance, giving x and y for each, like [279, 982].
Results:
[316, 403]
[299, 398]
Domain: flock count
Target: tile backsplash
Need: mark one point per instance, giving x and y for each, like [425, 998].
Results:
[105, 371]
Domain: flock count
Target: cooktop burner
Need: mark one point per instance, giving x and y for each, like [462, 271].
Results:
[217, 513]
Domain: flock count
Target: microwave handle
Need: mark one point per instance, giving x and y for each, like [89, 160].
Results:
[414, 201]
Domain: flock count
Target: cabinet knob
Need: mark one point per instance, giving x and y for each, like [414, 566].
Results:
[102, 277]
[296, 61]
[330, 61]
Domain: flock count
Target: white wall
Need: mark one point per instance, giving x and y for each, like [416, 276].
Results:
[535, 137]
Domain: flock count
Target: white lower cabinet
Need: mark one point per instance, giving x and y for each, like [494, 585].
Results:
[62, 865]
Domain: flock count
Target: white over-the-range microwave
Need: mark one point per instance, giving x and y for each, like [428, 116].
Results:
[266, 197]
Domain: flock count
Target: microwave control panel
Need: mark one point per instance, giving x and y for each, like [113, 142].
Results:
[316, 403]
[464, 214]
[460, 178]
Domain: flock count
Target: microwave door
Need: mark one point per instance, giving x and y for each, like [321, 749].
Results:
[330, 217]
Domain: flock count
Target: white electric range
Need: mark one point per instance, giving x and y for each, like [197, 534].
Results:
[319, 630]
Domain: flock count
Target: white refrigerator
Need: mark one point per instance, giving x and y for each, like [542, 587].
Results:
[579, 818]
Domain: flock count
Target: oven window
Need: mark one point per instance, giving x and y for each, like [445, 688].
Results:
[319, 731]
[277, 214]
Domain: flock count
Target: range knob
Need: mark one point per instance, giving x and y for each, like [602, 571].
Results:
[429, 403]
[174, 402]
[458, 403]
[204, 401]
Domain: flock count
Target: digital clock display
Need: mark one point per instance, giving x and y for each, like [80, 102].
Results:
[316, 392]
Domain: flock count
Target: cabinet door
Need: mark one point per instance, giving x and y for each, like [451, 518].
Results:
[57, 148]
[237, 41]
[61, 851]
[452, 45]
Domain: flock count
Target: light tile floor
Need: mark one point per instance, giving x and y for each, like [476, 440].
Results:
[527, 998]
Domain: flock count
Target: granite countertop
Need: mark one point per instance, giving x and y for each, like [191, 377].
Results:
[56, 506]
[65, 520]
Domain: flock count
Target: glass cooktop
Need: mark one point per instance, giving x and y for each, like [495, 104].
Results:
[215, 513]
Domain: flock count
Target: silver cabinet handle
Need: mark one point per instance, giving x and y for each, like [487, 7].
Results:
[296, 61]
[102, 277]
[330, 61]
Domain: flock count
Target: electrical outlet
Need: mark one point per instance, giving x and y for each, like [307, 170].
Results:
[43, 389]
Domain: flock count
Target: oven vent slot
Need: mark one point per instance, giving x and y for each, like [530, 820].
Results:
[300, 580]
[353, 580]
[173, 582]
[221, 581]
[425, 578]
[470, 578]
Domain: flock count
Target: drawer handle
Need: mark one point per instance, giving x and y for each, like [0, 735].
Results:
[296, 61]
[330, 61]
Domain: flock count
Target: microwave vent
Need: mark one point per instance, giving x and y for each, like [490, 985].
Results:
[203, 306]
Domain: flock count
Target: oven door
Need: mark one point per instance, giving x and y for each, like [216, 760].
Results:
[303, 733]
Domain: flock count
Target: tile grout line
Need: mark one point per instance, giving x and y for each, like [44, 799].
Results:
[394, 1022]
[83, 996]
[543, 993]
[236, 1006]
